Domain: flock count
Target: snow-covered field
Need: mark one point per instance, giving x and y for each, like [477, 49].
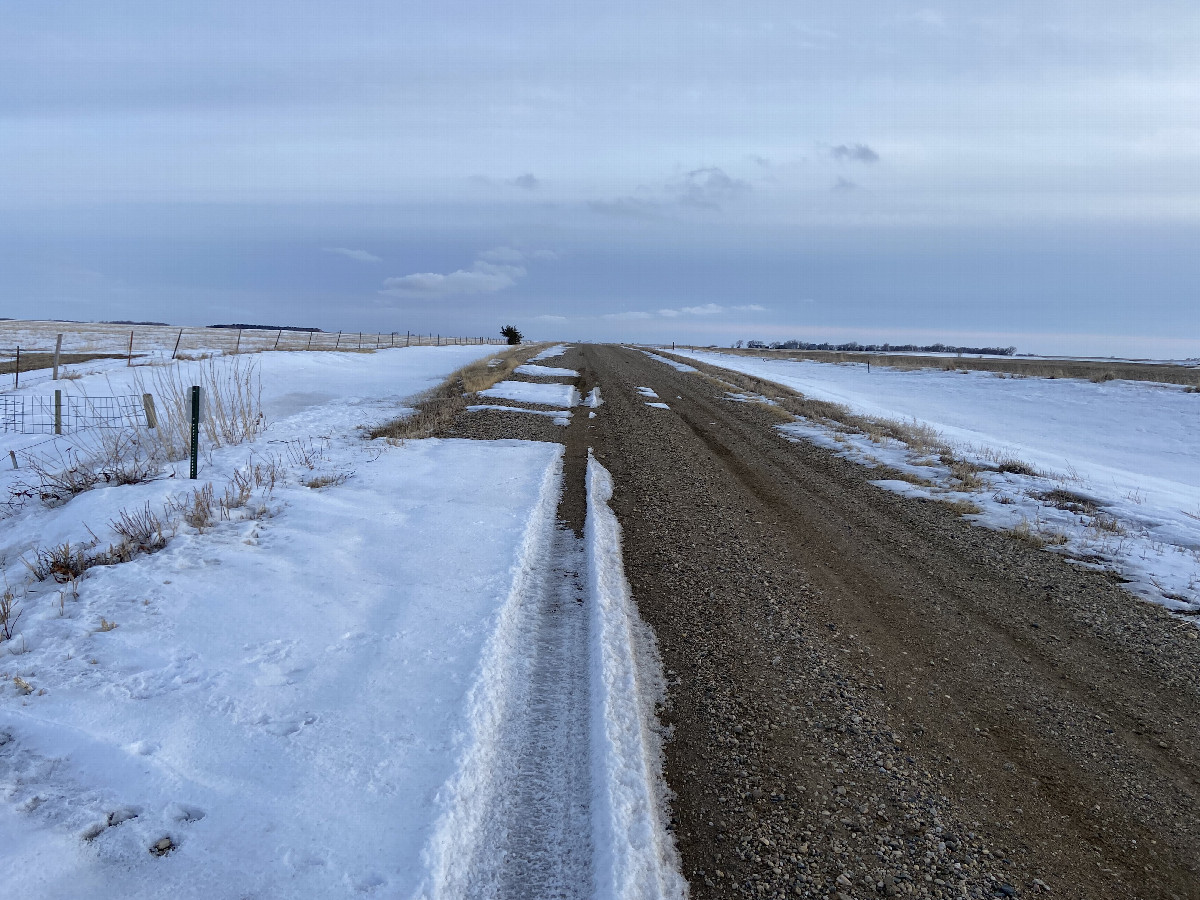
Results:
[316, 690]
[1117, 464]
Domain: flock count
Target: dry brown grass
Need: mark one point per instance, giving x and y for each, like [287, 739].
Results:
[962, 506]
[437, 408]
[31, 362]
[1032, 534]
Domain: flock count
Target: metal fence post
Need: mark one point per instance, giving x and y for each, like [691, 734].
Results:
[178, 338]
[195, 430]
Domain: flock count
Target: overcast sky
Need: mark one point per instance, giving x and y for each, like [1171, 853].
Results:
[699, 171]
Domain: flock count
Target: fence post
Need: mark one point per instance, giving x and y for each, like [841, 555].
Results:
[277, 337]
[407, 338]
[309, 347]
[58, 412]
[17, 369]
[129, 360]
[148, 407]
[57, 352]
[178, 338]
[338, 342]
[237, 348]
[13, 456]
[360, 340]
[194, 435]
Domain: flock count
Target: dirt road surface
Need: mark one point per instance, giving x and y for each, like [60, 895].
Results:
[868, 696]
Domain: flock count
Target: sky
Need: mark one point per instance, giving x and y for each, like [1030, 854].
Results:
[1025, 173]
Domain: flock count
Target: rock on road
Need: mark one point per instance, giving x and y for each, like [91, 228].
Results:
[868, 696]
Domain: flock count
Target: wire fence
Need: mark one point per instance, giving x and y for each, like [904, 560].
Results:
[32, 346]
[64, 413]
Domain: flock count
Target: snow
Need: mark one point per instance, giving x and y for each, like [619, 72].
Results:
[674, 364]
[408, 679]
[286, 693]
[647, 392]
[593, 397]
[658, 405]
[1126, 449]
[635, 856]
[560, 416]
[545, 371]
[560, 395]
[550, 352]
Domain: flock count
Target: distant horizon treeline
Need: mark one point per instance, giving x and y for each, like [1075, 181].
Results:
[854, 346]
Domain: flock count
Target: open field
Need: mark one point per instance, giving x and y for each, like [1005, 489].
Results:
[157, 341]
[1089, 369]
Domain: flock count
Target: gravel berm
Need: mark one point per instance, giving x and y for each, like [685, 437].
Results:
[868, 695]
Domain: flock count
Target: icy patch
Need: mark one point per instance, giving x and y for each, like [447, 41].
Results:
[647, 392]
[559, 395]
[658, 405]
[545, 371]
[635, 856]
[560, 416]
[593, 397]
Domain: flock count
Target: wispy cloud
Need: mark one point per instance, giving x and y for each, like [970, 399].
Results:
[493, 270]
[550, 318]
[749, 307]
[854, 153]
[707, 188]
[708, 309]
[356, 255]
[635, 314]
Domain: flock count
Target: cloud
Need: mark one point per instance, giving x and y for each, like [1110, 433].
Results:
[706, 188]
[626, 207]
[843, 185]
[854, 153]
[493, 270]
[627, 315]
[708, 309]
[356, 255]
[669, 313]
[750, 307]
[550, 318]
[528, 182]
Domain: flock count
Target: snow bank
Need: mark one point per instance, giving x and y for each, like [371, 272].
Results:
[545, 371]
[283, 694]
[551, 352]
[526, 392]
[635, 857]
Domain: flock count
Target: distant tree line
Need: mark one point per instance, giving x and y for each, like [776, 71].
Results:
[854, 346]
[268, 327]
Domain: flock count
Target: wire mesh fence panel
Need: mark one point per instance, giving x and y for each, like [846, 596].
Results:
[12, 414]
[71, 412]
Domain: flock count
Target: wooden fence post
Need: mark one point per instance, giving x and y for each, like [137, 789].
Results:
[129, 360]
[277, 337]
[58, 412]
[178, 338]
[57, 352]
[309, 347]
[407, 338]
[17, 369]
[237, 348]
[13, 456]
[148, 408]
[339, 341]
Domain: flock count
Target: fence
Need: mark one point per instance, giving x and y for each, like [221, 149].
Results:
[37, 345]
[62, 413]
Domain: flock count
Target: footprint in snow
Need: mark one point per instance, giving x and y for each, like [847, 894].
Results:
[286, 727]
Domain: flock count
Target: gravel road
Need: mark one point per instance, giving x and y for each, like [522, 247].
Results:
[868, 695]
